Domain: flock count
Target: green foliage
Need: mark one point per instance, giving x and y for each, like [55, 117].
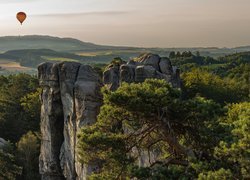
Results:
[19, 114]
[242, 57]
[130, 106]
[145, 98]
[186, 57]
[171, 54]
[28, 149]
[31, 107]
[211, 86]
[221, 174]
[148, 116]
[19, 106]
[160, 172]
[9, 170]
[241, 72]
[234, 149]
[117, 61]
[198, 122]
[195, 137]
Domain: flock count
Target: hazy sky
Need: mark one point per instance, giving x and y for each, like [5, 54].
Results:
[149, 23]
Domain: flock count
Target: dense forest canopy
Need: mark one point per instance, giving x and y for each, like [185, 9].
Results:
[201, 131]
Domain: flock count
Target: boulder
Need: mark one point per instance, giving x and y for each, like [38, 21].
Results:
[144, 72]
[144, 67]
[166, 66]
[127, 73]
[151, 60]
[111, 77]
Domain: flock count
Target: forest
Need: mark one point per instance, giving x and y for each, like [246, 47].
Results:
[201, 131]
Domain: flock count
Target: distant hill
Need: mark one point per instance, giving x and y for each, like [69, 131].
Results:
[33, 57]
[8, 43]
[26, 53]
[29, 51]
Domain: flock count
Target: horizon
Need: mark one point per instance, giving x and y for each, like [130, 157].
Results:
[190, 47]
[162, 23]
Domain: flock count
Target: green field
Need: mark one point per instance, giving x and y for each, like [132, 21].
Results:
[51, 58]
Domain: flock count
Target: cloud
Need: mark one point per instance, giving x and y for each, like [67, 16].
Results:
[72, 15]
[15, 1]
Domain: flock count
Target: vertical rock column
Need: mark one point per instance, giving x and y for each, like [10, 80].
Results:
[70, 100]
[51, 122]
[68, 73]
[80, 95]
[87, 104]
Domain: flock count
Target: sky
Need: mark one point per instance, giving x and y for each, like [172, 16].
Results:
[141, 23]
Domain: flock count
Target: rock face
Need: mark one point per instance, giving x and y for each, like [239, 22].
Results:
[146, 66]
[71, 99]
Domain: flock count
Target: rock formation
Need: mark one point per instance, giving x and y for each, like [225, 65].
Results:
[137, 70]
[146, 66]
[71, 99]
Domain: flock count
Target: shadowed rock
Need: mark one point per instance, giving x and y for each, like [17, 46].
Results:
[146, 66]
[51, 122]
[70, 99]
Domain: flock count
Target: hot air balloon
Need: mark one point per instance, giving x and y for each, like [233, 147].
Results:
[21, 16]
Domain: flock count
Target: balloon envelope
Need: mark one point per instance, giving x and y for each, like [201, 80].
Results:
[21, 16]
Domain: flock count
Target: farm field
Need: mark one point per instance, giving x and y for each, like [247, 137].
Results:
[9, 67]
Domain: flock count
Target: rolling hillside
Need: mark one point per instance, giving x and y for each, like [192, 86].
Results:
[33, 57]
[8, 43]
[47, 42]
[22, 52]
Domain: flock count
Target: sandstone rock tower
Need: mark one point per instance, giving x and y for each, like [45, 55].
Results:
[71, 99]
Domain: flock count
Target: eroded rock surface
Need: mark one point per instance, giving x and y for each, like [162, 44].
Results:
[71, 99]
[51, 122]
[146, 66]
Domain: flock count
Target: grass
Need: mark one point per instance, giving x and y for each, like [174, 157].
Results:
[93, 54]
[109, 52]
[50, 58]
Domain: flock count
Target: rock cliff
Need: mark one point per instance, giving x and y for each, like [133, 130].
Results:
[71, 99]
